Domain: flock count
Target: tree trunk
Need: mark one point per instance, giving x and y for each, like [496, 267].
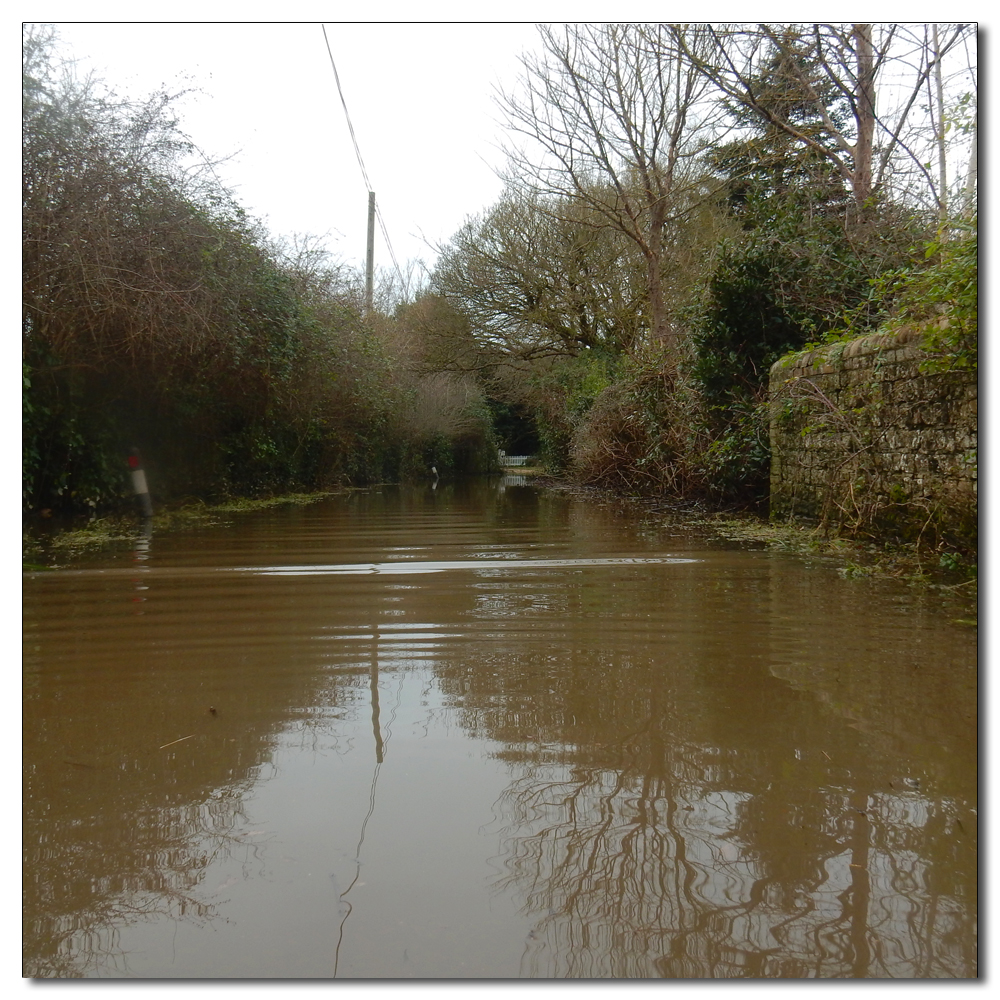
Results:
[865, 115]
[942, 152]
[972, 177]
[661, 331]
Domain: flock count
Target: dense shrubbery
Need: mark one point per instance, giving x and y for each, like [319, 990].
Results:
[944, 298]
[158, 315]
[784, 284]
[638, 433]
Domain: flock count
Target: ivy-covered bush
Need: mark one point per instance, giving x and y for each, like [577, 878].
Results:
[944, 297]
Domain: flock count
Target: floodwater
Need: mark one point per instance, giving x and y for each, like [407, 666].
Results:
[487, 731]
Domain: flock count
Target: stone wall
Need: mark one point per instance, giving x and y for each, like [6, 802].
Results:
[860, 437]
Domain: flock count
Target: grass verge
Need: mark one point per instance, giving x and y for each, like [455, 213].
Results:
[42, 549]
[854, 559]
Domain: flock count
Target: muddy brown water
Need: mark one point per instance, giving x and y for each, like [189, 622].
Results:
[488, 731]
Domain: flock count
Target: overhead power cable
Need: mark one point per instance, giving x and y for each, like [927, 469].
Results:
[388, 243]
[347, 114]
[361, 162]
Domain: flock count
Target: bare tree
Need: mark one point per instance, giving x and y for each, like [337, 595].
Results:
[879, 71]
[540, 278]
[619, 115]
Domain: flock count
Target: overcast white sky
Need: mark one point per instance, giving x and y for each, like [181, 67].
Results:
[419, 96]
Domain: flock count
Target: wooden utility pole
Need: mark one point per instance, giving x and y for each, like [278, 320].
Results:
[370, 266]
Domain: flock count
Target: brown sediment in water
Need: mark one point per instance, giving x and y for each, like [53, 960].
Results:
[587, 744]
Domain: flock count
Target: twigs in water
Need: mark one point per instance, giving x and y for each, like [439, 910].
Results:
[181, 740]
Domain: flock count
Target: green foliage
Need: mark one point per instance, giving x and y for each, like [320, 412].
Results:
[561, 396]
[266, 456]
[800, 271]
[804, 266]
[772, 176]
[938, 291]
[945, 296]
[68, 453]
[852, 571]
[514, 427]
[584, 381]
[951, 561]
[737, 462]
[796, 282]
[749, 319]
[768, 295]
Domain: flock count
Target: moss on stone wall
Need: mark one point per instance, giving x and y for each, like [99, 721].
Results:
[863, 439]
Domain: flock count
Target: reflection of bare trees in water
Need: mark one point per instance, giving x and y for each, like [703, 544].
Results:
[134, 840]
[120, 828]
[642, 876]
[681, 811]
[600, 861]
[81, 901]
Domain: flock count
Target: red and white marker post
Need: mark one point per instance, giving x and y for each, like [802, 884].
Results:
[139, 483]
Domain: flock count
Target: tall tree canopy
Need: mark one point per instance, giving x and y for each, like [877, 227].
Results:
[537, 278]
[616, 117]
[879, 74]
